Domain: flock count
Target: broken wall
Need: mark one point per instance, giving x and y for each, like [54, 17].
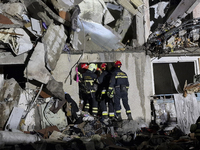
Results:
[136, 65]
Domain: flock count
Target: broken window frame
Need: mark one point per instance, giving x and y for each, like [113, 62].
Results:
[169, 60]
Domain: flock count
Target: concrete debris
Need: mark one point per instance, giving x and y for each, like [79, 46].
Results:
[185, 7]
[53, 40]
[37, 60]
[56, 89]
[126, 4]
[13, 9]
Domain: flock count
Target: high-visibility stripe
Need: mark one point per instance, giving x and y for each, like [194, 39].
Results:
[111, 114]
[95, 111]
[104, 113]
[110, 88]
[118, 111]
[90, 81]
[121, 77]
[103, 92]
[91, 91]
[87, 107]
[128, 111]
[95, 108]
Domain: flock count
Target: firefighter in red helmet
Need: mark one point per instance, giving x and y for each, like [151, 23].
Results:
[103, 81]
[118, 89]
[82, 93]
[84, 66]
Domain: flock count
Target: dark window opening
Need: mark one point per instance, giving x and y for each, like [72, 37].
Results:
[16, 72]
[109, 67]
[163, 83]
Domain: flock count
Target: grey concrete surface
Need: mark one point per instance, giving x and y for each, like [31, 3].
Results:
[137, 66]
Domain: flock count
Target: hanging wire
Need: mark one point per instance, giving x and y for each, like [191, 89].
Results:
[70, 72]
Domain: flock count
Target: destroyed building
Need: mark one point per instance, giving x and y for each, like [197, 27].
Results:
[44, 42]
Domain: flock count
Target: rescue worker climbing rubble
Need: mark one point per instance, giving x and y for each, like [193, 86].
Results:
[103, 81]
[89, 80]
[118, 89]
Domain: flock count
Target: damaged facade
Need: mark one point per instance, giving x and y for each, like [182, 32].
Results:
[43, 42]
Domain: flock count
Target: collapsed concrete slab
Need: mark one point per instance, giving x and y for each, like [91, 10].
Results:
[56, 89]
[54, 41]
[42, 7]
[36, 66]
[127, 5]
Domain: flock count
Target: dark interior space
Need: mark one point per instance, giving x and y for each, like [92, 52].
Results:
[108, 68]
[163, 82]
[16, 72]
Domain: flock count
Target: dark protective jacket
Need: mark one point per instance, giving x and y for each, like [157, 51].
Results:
[119, 79]
[103, 80]
[89, 81]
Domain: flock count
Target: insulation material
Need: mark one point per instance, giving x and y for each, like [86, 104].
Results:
[37, 60]
[95, 10]
[187, 112]
[165, 110]
[18, 40]
[159, 9]
[100, 35]
[54, 41]
[14, 138]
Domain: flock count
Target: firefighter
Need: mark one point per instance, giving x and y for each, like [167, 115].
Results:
[89, 80]
[118, 89]
[82, 92]
[103, 81]
[78, 77]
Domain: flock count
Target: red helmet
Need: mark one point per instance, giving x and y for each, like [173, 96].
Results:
[103, 66]
[118, 63]
[84, 66]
